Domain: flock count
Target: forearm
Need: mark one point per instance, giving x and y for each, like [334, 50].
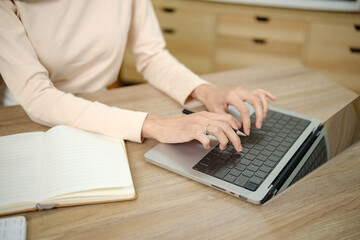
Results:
[49, 106]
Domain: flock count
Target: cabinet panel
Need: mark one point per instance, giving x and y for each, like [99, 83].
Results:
[232, 53]
[245, 41]
[189, 36]
[334, 51]
[260, 26]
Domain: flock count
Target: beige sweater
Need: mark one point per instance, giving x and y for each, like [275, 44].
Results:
[50, 50]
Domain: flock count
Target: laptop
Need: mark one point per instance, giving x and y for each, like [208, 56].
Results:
[287, 147]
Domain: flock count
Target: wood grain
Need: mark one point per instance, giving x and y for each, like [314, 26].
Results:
[323, 205]
[329, 53]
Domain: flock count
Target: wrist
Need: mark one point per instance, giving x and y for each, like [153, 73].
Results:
[149, 126]
[202, 91]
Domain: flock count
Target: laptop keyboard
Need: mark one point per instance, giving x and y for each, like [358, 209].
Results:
[262, 151]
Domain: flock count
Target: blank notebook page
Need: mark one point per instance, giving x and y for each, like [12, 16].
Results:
[20, 165]
[76, 161]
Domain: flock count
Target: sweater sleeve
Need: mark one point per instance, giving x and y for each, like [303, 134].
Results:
[29, 82]
[153, 61]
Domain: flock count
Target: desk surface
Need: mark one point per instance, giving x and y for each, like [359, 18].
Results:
[325, 204]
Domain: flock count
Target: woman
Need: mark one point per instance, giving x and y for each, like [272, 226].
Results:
[52, 49]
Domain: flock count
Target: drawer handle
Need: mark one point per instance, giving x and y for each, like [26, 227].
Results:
[259, 41]
[354, 50]
[262, 19]
[168, 10]
[168, 31]
[357, 27]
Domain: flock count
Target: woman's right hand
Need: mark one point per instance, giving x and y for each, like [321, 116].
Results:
[189, 127]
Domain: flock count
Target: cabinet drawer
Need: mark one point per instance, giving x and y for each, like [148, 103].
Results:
[335, 52]
[262, 27]
[232, 53]
[342, 35]
[189, 36]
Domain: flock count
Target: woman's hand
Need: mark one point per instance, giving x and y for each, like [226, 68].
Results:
[189, 127]
[218, 99]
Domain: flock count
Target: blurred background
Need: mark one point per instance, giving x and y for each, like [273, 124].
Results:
[213, 36]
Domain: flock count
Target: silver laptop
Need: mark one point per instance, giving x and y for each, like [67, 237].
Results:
[287, 147]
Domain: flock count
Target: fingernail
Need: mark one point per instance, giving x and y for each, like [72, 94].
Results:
[247, 131]
[240, 149]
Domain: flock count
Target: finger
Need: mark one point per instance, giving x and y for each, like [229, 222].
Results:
[217, 131]
[225, 117]
[263, 94]
[268, 94]
[232, 136]
[201, 137]
[244, 113]
[264, 103]
[259, 113]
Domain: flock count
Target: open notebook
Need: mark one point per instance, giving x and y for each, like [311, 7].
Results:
[63, 166]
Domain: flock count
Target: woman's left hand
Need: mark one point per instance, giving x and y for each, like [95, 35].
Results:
[218, 99]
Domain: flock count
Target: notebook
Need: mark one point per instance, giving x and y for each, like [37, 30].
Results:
[63, 166]
[287, 147]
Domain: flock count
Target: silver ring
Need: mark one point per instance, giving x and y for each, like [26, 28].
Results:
[205, 129]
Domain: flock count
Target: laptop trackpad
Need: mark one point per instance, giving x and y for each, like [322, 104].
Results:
[177, 157]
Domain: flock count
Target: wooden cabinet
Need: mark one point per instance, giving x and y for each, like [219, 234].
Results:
[334, 51]
[189, 37]
[244, 41]
[212, 36]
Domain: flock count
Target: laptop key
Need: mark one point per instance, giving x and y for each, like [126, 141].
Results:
[251, 186]
[245, 162]
[235, 172]
[286, 144]
[270, 163]
[254, 152]
[282, 148]
[240, 167]
[259, 147]
[274, 158]
[261, 174]
[241, 180]
[250, 156]
[256, 180]
[253, 167]
[257, 162]
[221, 173]
[261, 157]
[270, 148]
[232, 162]
[265, 169]
[213, 167]
[226, 155]
[248, 173]
[229, 178]
[266, 153]
[274, 143]
[245, 149]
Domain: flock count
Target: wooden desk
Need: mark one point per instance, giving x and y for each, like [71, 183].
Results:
[324, 204]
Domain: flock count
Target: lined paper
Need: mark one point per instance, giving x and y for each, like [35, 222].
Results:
[76, 160]
[20, 165]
